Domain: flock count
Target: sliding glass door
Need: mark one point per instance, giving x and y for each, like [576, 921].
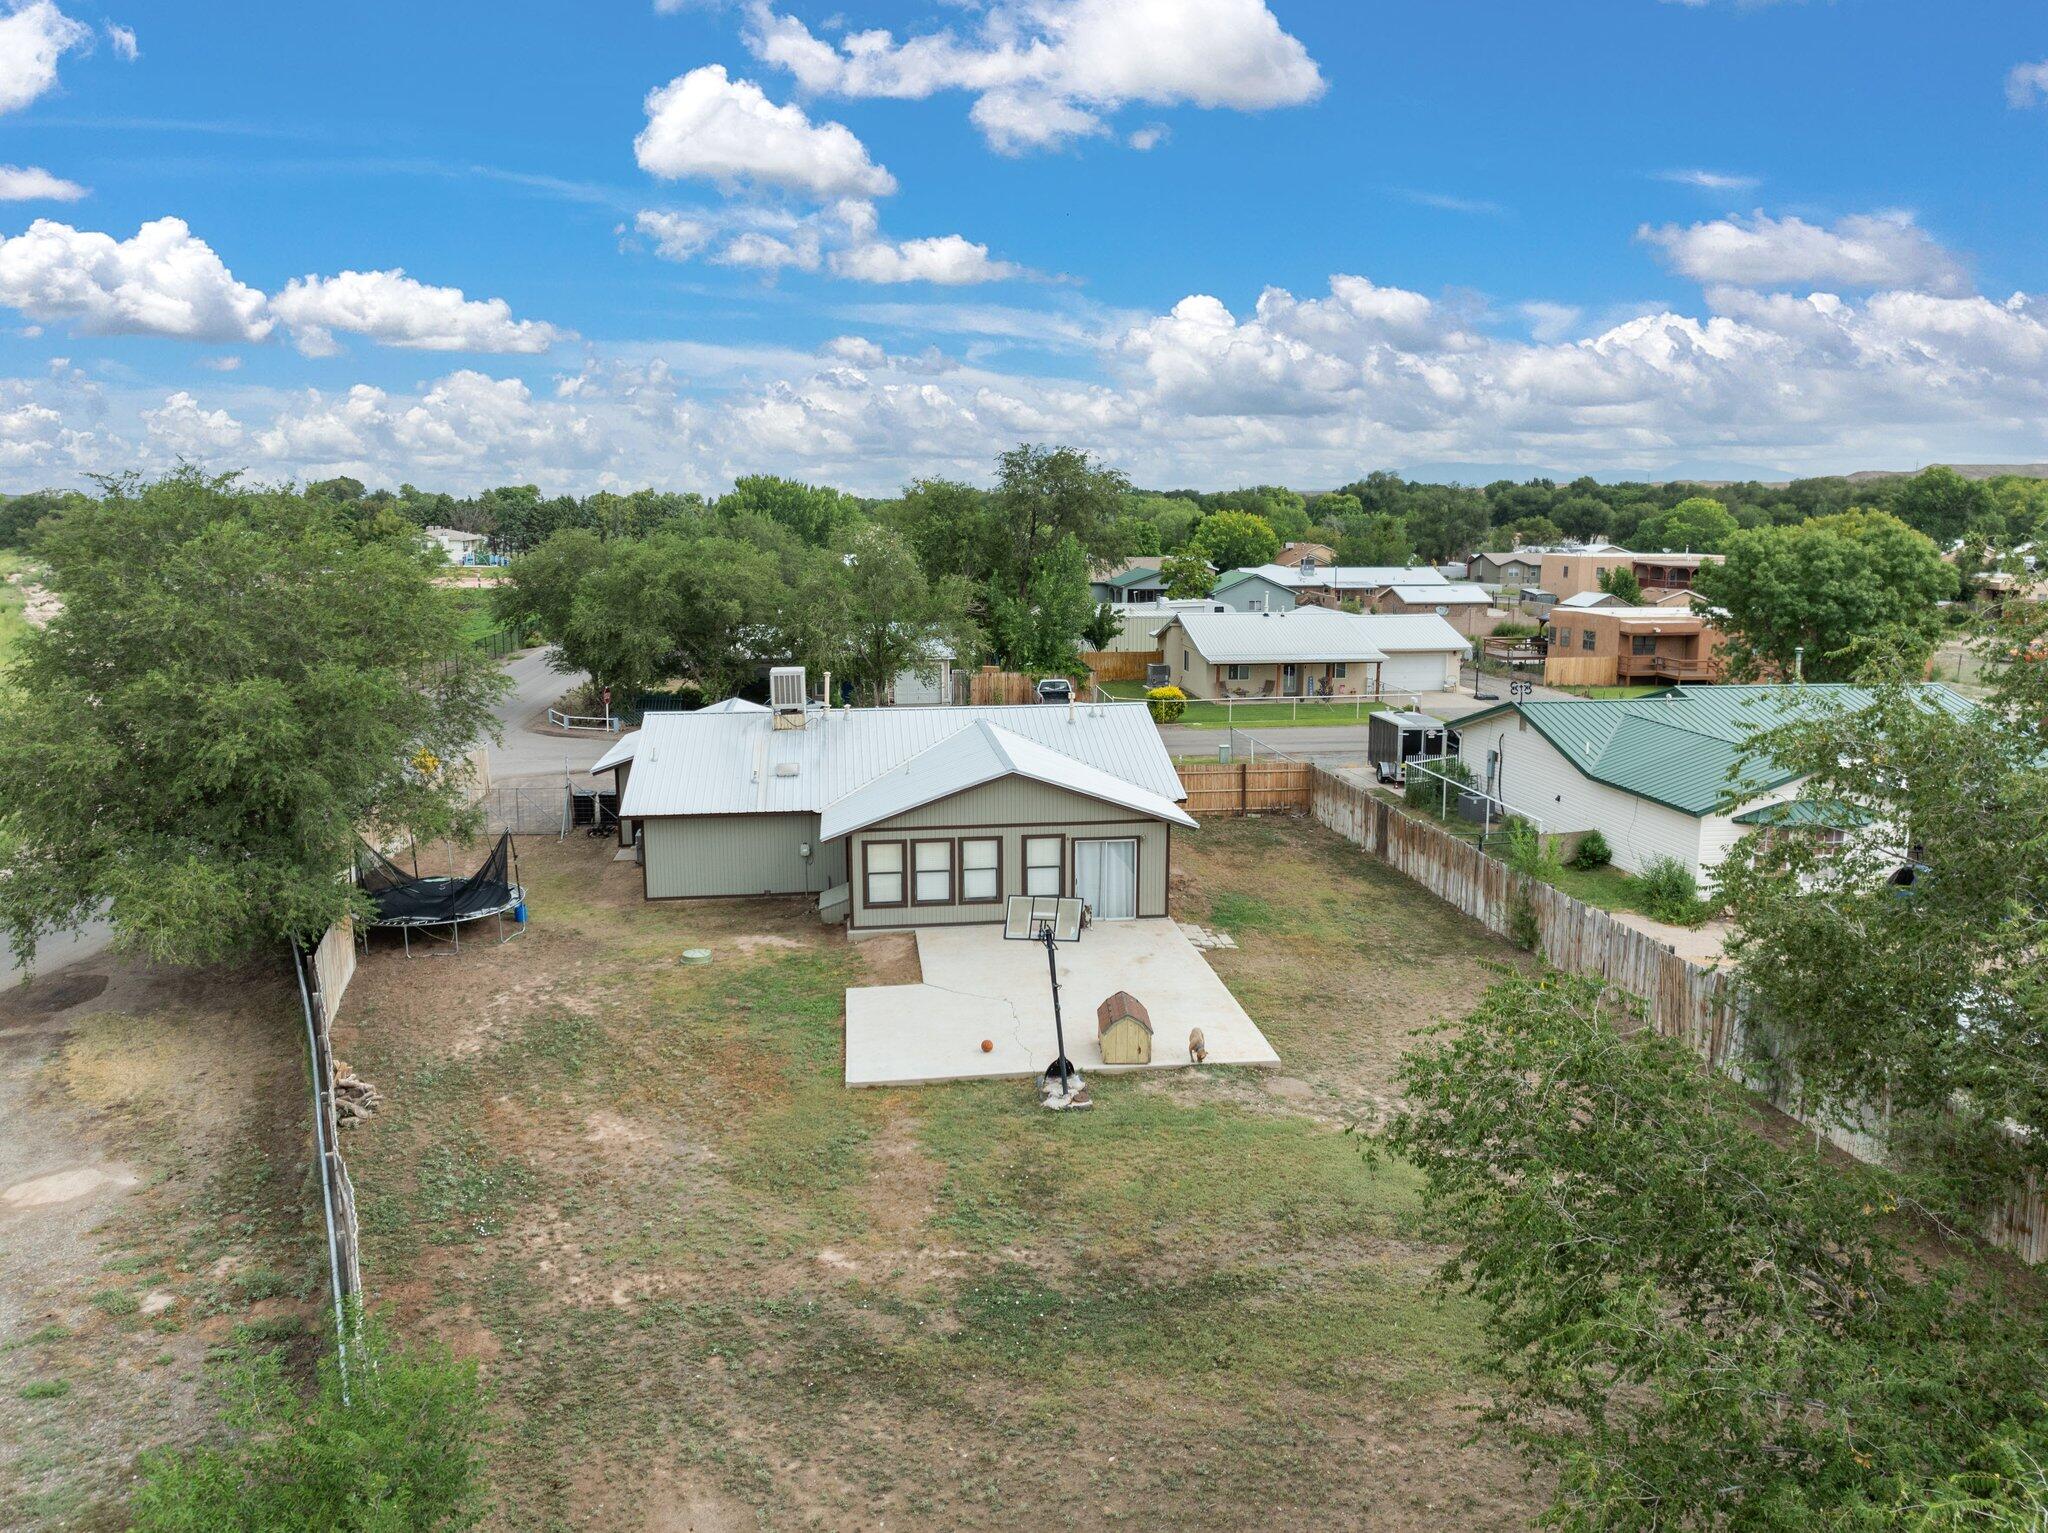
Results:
[1106, 876]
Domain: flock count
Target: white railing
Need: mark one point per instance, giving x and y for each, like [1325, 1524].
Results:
[1348, 707]
[561, 720]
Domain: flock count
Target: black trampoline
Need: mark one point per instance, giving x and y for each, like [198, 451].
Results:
[407, 902]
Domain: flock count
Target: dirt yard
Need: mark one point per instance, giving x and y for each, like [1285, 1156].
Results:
[711, 1289]
[152, 1207]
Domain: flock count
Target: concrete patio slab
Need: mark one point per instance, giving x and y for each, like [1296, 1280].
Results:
[977, 986]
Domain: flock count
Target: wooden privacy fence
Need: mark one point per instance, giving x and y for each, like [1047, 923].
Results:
[1120, 665]
[1562, 670]
[1245, 787]
[1698, 1006]
[989, 686]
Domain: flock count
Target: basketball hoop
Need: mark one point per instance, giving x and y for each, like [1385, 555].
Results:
[1050, 919]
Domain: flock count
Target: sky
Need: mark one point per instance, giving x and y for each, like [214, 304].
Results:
[620, 243]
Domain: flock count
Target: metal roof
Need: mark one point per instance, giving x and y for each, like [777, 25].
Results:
[983, 753]
[1683, 747]
[1445, 594]
[733, 705]
[620, 753]
[739, 763]
[1231, 578]
[1407, 633]
[1361, 576]
[1307, 634]
[1592, 599]
[1141, 576]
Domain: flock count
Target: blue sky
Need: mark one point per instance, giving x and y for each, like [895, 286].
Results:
[610, 245]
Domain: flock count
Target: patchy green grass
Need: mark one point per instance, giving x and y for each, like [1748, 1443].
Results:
[699, 1272]
[1253, 713]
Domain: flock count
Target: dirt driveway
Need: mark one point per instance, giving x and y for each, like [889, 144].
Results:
[151, 1179]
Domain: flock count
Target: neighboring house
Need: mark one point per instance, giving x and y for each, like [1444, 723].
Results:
[928, 685]
[1309, 652]
[1666, 574]
[1467, 608]
[1624, 646]
[1137, 624]
[1656, 776]
[1291, 554]
[1586, 599]
[1252, 590]
[901, 817]
[1424, 652]
[1139, 585]
[460, 547]
[1567, 573]
[1314, 581]
[1517, 567]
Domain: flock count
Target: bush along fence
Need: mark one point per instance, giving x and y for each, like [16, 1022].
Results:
[1699, 1006]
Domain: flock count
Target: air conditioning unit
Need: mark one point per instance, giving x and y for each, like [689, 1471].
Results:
[1158, 675]
[787, 696]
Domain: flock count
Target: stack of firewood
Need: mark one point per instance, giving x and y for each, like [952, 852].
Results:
[354, 1098]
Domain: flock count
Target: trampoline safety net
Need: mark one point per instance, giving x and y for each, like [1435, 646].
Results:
[403, 899]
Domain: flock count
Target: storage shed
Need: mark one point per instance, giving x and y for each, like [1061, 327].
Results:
[1124, 1029]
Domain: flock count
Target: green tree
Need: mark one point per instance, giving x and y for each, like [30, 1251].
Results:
[894, 617]
[1187, 576]
[19, 514]
[1174, 516]
[1446, 522]
[1103, 627]
[234, 686]
[1930, 1003]
[1038, 632]
[1375, 539]
[397, 1449]
[1942, 504]
[1835, 587]
[1047, 494]
[1686, 1324]
[816, 514]
[1583, 516]
[1232, 540]
[1699, 524]
[1620, 582]
[1533, 530]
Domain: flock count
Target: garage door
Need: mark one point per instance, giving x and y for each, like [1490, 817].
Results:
[1424, 672]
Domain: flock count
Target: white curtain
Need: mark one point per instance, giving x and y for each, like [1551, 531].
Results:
[1106, 876]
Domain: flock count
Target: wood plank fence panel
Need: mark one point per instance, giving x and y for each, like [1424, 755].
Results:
[988, 687]
[1698, 1006]
[1561, 670]
[1245, 787]
[1119, 664]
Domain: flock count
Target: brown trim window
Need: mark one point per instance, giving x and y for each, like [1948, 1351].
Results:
[931, 872]
[882, 875]
[1045, 862]
[1588, 638]
[981, 870]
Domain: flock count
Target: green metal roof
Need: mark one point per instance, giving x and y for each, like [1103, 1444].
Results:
[1681, 748]
[1238, 577]
[1137, 577]
[1808, 813]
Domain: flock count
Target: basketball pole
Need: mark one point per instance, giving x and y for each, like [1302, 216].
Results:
[1064, 1065]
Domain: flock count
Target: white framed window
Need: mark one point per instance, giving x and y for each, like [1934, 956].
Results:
[931, 865]
[981, 871]
[1342, 669]
[1238, 672]
[882, 871]
[1045, 864]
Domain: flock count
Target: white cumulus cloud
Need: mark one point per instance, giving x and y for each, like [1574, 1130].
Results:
[2027, 84]
[1878, 250]
[1046, 71]
[123, 42]
[163, 281]
[392, 309]
[32, 39]
[948, 260]
[31, 183]
[182, 426]
[708, 126]
[676, 237]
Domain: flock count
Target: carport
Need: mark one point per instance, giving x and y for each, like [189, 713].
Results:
[977, 986]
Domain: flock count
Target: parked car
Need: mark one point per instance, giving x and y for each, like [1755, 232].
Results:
[1055, 689]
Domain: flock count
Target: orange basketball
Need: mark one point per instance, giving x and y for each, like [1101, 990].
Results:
[987, 1046]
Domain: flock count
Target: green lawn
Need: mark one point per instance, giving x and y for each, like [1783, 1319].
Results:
[1274, 713]
[698, 1273]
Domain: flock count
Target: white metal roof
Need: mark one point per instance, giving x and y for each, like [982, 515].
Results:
[1445, 594]
[1310, 634]
[982, 753]
[1592, 599]
[739, 763]
[733, 705]
[620, 753]
[1357, 576]
[1407, 633]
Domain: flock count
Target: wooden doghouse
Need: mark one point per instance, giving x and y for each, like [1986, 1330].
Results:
[1125, 1030]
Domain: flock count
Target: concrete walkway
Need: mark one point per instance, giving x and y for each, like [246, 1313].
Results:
[977, 986]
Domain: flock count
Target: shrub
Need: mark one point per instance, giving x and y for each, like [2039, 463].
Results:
[1166, 703]
[1524, 850]
[1592, 852]
[1510, 629]
[46, 1389]
[1522, 928]
[1669, 892]
[1426, 791]
[400, 1454]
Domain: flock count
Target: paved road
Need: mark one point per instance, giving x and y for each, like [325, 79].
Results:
[530, 752]
[74, 946]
